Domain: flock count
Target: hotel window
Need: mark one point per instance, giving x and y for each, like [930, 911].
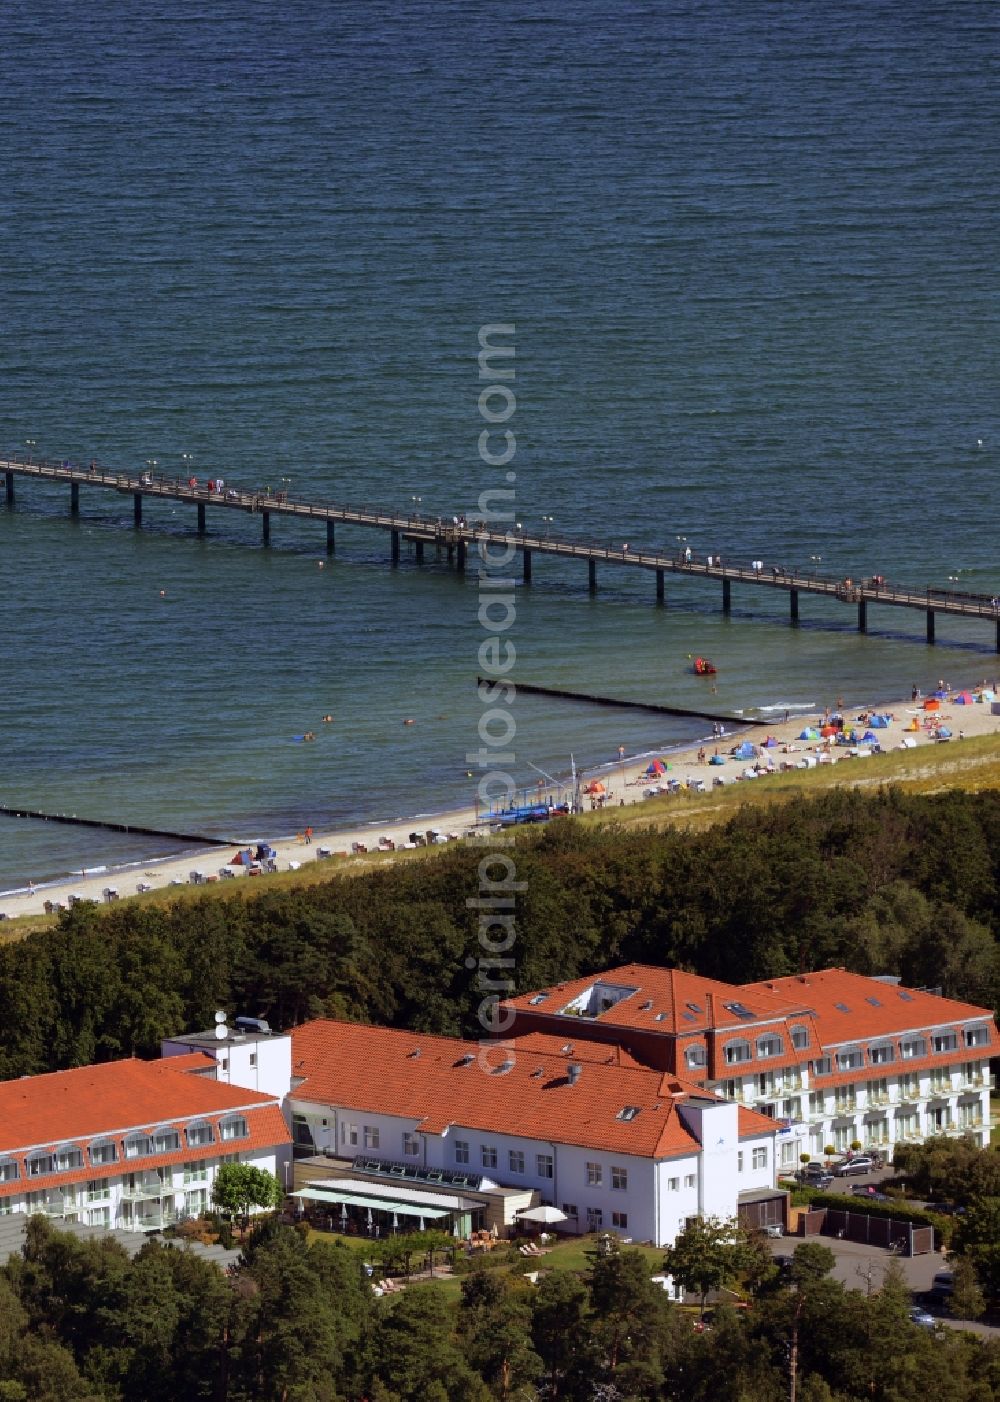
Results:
[234, 1127]
[878, 1091]
[765, 1083]
[760, 1158]
[737, 1051]
[821, 1066]
[349, 1134]
[595, 1175]
[882, 1055]
[791, 1109]
[68, 1158]
[371, 1136]
[909, 1087]
[673, 1185]
[907, 1126]
[544, 1164]
[850, 1060]
[770, 1045]
[817, 1102]
[916, 1046]
[99, 1217]
[619, 1179]
[843, 1099]
[620, 1220]
[489, 1156]
[977, 1036]
[138, 1146]
[105, 1151]
[940, 1082]
[253, 1059]
[739, 1161]
[695, 1056]
[411, 1145]
[8, 1171]
[595, 1219]
[166, 1141]
[689, 1180]
[570, 1210]
[194, 1172]
[96, 1190]
[800, 1038]
[732, 1090]
[200, 1135]
[945, 1041]
[515, 1160]
[461, 1151]
[38, 1165]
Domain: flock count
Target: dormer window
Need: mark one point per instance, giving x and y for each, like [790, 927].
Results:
[945, 1041]
[694, 1056]
[200, 1134]
[737, 1051]
[103, 1151]
[234, 1127]
[800, 1037]
[68, 1157]
[883, 1054]
[913, 1048]
[850, 1060]
[9, 1172]
[37, 1165]
[977, 1036]
[821, 1066]
[769, 1045]
[166, 1141]
[138, 1146]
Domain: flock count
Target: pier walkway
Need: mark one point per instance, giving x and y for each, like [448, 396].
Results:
[458, 537]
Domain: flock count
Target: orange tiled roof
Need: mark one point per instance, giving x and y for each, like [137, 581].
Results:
[580, 1049]
[112, 1098]
[752, 1123]
[667, 1001]
[852, 1007]
[427, 1079]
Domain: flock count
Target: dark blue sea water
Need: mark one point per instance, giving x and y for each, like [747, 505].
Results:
[750, 254]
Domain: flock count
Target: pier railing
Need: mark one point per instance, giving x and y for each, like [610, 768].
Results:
[459, 534]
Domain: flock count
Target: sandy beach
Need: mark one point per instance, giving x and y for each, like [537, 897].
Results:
[623, 783]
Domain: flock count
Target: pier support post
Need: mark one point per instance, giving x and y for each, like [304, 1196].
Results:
[330, 540]
[592, 576]
[460, 557]
[201, 518]
[418, 551]
[74, 498]
[660, 587]
[930, 625]
[793, 605]
[9, 487]
[862, 616]
[727, 601]
[394, 546]
[265, 527]
[137, 509]
[526, 563]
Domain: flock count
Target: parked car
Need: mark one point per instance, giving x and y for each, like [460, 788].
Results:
[866, 1190]
[921, 1317]
[819, 1180]
[861, 1163]
[773, 1229]
[942, 1288]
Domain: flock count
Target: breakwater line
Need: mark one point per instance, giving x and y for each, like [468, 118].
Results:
[133, 828]
[657, 708]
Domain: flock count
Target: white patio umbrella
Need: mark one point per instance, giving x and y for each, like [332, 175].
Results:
[543, 1213]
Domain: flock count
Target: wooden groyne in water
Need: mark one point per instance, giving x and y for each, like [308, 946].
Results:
[199, 839]
[560, 695]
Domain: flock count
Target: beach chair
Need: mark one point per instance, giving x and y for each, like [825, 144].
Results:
[142, 886]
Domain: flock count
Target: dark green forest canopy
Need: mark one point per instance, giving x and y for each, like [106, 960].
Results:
[881, 883]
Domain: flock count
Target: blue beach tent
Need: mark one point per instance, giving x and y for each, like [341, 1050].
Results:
[745, 751]
[879, 722]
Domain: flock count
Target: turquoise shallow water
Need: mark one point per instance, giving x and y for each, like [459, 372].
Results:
[750, 256]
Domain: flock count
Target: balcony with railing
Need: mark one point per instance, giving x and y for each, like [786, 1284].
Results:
[145, 1190]
[54, 1205]
[151, 1221]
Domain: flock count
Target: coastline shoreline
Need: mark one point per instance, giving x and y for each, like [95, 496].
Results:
[681, 759]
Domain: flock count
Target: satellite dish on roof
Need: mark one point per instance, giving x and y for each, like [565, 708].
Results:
[220, 1016]
[221, 1032]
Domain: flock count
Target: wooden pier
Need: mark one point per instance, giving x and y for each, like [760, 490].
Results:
[458, 539]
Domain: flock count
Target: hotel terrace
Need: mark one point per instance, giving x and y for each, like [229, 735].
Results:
[130, 1144]
[833, 1058]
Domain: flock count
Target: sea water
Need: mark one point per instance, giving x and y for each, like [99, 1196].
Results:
[749, 255]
